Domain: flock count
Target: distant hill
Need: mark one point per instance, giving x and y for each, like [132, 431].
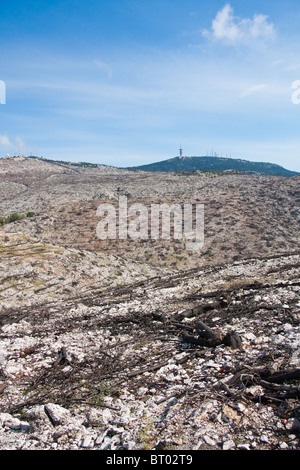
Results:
[189, 164]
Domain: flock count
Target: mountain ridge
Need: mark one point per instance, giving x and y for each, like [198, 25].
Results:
[184, 164]
[219, 164]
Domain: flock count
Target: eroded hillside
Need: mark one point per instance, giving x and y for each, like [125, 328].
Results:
[141, 344]
[245, 215]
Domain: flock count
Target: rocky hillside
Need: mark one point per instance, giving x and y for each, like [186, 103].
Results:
[33, 272]
[140, 344]
[245, 215]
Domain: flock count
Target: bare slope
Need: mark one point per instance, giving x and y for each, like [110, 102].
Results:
[245, 215]
[34, 272]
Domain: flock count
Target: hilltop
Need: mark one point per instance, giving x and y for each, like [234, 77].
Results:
[217, 164]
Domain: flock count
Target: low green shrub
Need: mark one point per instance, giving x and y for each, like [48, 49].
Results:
[14, 217]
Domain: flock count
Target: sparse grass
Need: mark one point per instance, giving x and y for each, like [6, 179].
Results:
[146, 437]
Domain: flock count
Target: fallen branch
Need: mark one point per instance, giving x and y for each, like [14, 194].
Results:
[86, 402]
[209, 338]
[280, 388]
[205, 332]
[277, 377]
[148, 368]
[200, 341]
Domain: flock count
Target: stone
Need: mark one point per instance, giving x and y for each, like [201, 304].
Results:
[69, 435]
[57, 414]
[15, 424]
[244, 446]
[106, 443]
[283, 445]
[100, 438]
[87, 442]
[230, 414]
[106, 416]
[227, 445]
[94, 417]
[209, 441]
[264, 438]
[198, 445]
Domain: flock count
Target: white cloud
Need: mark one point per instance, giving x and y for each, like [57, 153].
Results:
[6, 144]
[254, 89]
[292, 67]
[104, 67]
[4, 141]
[232, 29]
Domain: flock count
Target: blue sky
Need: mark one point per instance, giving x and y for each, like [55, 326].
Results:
[126, 82]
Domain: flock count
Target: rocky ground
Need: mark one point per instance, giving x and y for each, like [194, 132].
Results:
[101, 349]
[245, 215]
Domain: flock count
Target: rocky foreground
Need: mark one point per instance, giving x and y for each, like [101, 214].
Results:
[125, 367]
